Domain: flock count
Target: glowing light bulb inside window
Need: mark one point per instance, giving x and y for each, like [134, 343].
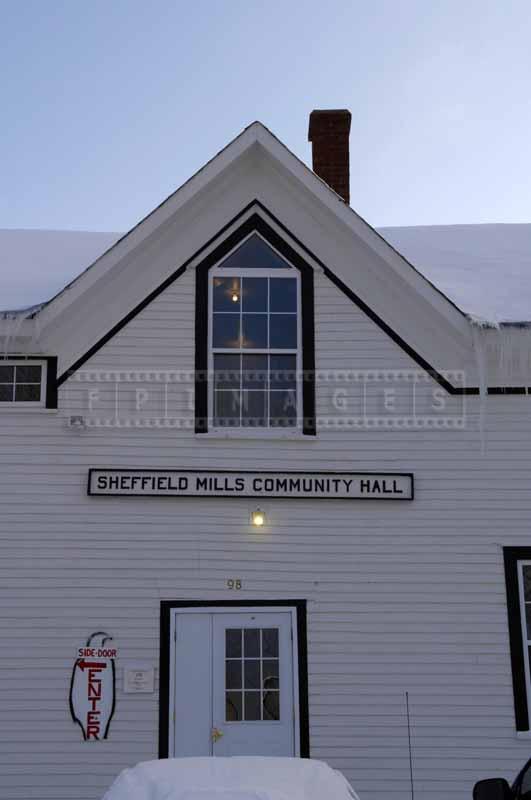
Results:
[235, 298]
[258, 518]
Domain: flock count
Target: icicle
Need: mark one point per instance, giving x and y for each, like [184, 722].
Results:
[481, 361]
[14, 320]
[11, 330]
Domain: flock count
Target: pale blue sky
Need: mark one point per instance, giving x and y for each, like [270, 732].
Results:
[109, 105]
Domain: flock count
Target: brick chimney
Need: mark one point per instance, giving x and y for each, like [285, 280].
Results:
[328, 132]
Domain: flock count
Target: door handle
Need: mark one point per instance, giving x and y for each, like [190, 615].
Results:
[216, 735]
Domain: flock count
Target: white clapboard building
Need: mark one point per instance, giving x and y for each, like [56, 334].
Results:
[266, 488]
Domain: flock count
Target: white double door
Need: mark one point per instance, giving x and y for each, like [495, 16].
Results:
[233, 688]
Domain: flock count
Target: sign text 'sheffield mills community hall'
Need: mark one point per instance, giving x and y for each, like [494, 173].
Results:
[194, 483]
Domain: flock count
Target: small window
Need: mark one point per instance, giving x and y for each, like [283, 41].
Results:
[255, 348]
[22, 382]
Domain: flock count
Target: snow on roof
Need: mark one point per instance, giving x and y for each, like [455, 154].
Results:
[484, 269]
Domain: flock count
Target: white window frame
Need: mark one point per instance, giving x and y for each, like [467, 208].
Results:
[275, 272]
[526, 641]
[26, 362]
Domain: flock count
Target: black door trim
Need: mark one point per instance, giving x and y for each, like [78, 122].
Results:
[166, 608]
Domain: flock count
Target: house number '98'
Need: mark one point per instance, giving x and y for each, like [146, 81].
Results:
[234, 583]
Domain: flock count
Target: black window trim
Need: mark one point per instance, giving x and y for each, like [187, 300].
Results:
[255, 223]
[50, 378]
[512, 556]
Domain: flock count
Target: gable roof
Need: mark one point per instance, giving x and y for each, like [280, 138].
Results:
[254, 173]
[484, 269]
[254, 136]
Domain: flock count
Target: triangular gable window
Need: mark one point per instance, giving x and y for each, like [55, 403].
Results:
[254, 253]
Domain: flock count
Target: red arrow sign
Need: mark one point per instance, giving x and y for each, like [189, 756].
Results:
[91, 665]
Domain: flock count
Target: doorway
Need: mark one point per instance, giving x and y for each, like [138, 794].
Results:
[230, 680]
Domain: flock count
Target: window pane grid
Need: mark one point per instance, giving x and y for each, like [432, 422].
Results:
[20, 383]
[249, 319]
[252, 691]
[247, 396]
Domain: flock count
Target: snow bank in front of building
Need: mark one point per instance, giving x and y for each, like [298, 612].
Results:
[238, 778]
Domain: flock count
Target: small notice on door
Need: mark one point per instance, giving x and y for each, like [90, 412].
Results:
[139, 681]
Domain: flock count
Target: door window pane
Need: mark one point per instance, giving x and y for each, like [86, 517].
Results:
[233, 674]
[270, 674]
[256, 666]
[233, 706]
[233, 643]
[252, 674]
[251, 643]
[252, 706]
[270, 642]
[271, 706]
[7, 374]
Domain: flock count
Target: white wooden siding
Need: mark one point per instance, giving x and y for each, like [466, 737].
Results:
[401, 597]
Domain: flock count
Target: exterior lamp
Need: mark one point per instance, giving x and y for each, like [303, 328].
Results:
[258, 518]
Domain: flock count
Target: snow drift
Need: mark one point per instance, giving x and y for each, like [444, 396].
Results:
[238, 778]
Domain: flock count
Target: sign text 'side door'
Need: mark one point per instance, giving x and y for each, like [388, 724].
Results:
[233, 686]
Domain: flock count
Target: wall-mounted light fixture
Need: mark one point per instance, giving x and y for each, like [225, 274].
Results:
[77, 423]
[258, 518]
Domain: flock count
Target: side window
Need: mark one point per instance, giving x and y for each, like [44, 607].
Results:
[518, 584]
[255, 339]
[524, 585]
[22, 382]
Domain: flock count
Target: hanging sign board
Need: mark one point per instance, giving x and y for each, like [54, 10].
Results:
[92, 687]
[200, 483]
